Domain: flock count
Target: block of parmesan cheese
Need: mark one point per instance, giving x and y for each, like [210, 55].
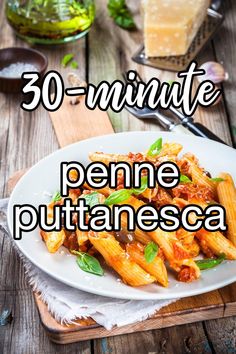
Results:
[171, 25]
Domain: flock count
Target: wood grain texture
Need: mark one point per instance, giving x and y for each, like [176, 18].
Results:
[27, 137]
[225, 51]
[188, 310]
[73, 123]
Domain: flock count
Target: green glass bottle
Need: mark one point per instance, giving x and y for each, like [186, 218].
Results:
[50, 21]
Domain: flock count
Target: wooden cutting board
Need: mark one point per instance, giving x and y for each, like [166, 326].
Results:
[73, 123]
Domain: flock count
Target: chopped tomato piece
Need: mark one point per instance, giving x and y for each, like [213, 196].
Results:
[187, 275]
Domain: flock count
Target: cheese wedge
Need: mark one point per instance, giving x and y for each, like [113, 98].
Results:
[171, 25]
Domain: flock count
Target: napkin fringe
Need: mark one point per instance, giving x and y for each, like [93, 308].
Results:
[67, 304]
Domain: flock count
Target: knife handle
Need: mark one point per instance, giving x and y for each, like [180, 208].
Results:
[200, 130]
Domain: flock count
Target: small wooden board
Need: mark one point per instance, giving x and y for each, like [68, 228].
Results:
[215, 304]
[74, 123]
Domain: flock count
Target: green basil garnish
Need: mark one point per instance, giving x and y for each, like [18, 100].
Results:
[74, 64]
[56, 197]
[66, 59]
[142, 188]
[184, 179]
[120, 13]
[118, 196]
[217, 179]
[209, 263]
[150, 252]
[155, 148]
[88, 263]
[124, 194]
[91, 199]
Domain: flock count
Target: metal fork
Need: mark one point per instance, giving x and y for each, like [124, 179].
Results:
[194, 128]
[147, 113]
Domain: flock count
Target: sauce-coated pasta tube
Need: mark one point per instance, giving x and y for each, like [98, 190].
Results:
[114, 255]
[217, 243]
[170, 149]
[227, 196]
[82, 237]
[107, 158]
[169, 243]
[199, 177]
[53, 240]
[156, 267]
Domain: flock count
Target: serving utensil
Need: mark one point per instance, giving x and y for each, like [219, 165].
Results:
[185, 125]
[166, 123]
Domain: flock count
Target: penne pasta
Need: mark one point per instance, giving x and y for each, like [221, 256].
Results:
[114, 255]
[107, 158]
[82, 238]
[149, 193]
[168, 242]
[227, 197]
[156, 267]
[217, 243]
[199, 178]
[53, 240]
[170, 149]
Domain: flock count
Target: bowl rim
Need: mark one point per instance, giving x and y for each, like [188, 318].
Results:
[37, 52]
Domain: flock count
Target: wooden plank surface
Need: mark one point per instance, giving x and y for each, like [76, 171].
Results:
[27, 137]
[225, 52]
[179, 313]
[74, 122]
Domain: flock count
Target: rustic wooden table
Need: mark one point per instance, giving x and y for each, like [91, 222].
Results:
[27, 137]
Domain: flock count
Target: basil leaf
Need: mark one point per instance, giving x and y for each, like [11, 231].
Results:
[88, 263]
[217, 179]
[91, 199]
[150, 252]
[118, 196]
[74, 65]
[155, 148]
[122, 16]
[5, 317]
[66, 59]
[125, 20]
[56, 197]
[209, 263]
[143, 187]
[184, 179]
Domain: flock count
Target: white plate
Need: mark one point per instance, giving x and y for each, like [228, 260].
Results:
[44, 177]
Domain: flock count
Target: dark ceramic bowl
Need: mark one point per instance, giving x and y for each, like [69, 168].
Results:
[13, 55]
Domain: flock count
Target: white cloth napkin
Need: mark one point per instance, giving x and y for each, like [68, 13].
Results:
[66, 303]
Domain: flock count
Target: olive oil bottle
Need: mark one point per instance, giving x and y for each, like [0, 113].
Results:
[50, 21]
